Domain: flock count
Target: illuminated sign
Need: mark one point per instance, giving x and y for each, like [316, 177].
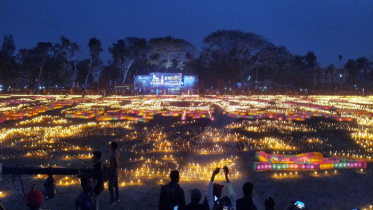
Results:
[142, 81]
[166, 80]
[191, 81]
[159, 80]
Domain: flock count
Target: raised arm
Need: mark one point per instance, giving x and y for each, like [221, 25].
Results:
[230, 188]
[210, 199]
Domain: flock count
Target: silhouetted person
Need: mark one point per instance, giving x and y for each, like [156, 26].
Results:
[195, 197]
[114, 171]
[34, 198]
[269, 203]
[97, 173]
[49, 187]
[246, 202]
[214, 192]
[86, 199]
[172, 194]
[225, 204]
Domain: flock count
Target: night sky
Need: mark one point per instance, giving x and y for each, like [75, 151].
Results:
[328, 28]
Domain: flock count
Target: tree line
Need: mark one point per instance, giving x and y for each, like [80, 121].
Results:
[228, 57]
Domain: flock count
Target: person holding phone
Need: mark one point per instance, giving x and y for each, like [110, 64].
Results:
[214, 192]
[172, 195]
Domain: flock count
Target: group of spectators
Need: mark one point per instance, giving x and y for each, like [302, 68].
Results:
[92, 183]
[172, 196]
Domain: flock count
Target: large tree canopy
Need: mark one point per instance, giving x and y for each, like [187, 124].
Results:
[126, 52]
[34, 62]
[167, 52]
[65, 59]
[233, 53]
[359, 70]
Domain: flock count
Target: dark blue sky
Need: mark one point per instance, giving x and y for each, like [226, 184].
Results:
[327, 27]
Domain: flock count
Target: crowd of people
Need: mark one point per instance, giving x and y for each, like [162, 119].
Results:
[92, 183]
[172, 196]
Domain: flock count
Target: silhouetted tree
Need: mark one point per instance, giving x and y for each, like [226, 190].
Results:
[65, 59]
[73, 56]
[275, 64]
[126, 52]
[167, 52]
[231, 54]
[95, 49]
[7, 60]
[363, 64]
[34, 62]
[311, 59]
[8, 46]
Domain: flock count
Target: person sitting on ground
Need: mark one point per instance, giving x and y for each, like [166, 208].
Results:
[97, 173]
[34, 198]
[246, 202]
[195, 197]
[172, 194]
[87, 199]
[214, 191]
[270, 204]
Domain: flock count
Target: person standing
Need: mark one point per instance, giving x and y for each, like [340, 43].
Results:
[172, 195]
[97, 173]
[195, 197]
[114, 171]
[214, 192]
[246, 202]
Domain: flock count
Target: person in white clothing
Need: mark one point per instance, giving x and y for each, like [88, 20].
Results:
[214, 192]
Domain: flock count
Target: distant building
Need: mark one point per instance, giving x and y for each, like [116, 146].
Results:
[327, 76]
